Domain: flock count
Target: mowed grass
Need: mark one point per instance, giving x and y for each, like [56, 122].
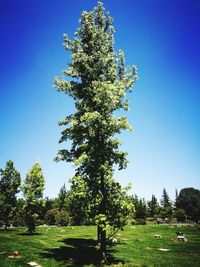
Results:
[76, 246]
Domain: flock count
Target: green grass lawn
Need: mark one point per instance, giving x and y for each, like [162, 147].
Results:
[76, 246]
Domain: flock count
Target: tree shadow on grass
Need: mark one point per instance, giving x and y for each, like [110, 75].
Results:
[78, 252]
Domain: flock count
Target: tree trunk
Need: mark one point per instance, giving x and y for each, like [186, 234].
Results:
[6, 223]
[103, 257]
[98, 234]
[31, 227]
[102, 210]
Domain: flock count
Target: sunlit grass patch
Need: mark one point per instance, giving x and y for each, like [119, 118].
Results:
[76, 246]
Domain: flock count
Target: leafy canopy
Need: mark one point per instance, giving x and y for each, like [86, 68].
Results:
[189, 201]
[9, 187]
[98, 81]
[33, 188]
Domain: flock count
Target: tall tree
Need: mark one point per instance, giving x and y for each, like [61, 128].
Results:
[9, 187]
[49, 203]
[166, 206]
[176, 197]
[189, 201]
[62, 197]
[153, 206]
[140, 208]
[98, 82]
[33, 188]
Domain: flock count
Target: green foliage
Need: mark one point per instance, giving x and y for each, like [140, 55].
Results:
[98, 82]
[166, 210]
[140, 208]
[189, 201]
[19, 215]
[57, 217]
[176, 197]
[50, 216]
[62, 198]
[79, 203]
[63, 218]
[121, 207]
[49, 203]
[153, 206]
[33, 188]
[9, 187]
[180, 215]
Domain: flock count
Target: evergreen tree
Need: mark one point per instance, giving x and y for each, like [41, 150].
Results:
[49, 203]
[140, 208]
[98, 84]
[176, 197]
[33, 196]
[165, 198]
[62, 197]
[166, 206]
[9, 187]
[153, 206]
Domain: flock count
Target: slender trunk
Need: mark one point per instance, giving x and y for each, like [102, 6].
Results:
[31, 227]
[103, 247]
[6, 223]
[102, 208]
[102, 232]
[98, 234]
[31, 230]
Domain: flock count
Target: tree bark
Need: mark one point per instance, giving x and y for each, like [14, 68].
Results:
[6, 223]
[98, 234]
[102, 208]
[31, 227]
[103, 256]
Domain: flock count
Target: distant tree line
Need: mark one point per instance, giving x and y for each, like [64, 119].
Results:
[26, 210]
[185, 208]
[68, 208]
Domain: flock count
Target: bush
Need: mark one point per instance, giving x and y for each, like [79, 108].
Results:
[62, 218]
[180, 215]
[50, 216]
[55, 216]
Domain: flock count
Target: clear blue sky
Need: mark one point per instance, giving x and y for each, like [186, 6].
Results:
[162, 38]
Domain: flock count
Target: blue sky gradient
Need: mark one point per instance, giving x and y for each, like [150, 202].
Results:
[162, 38]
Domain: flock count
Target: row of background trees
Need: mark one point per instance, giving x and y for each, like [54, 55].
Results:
[68, 208]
